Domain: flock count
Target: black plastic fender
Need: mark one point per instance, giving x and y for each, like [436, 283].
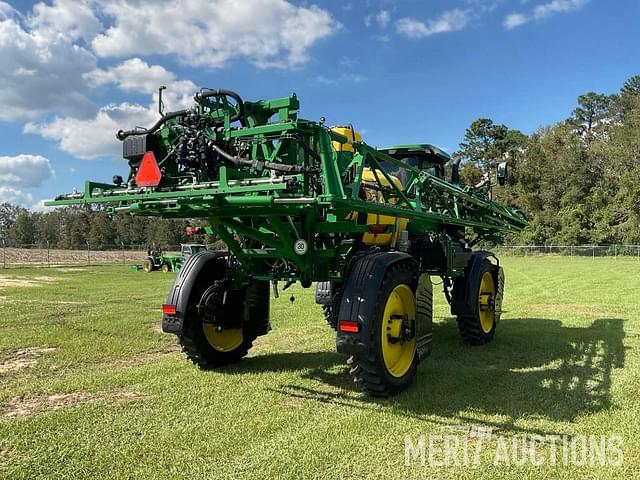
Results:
[365, 275]
[184, 283]
[464, 299]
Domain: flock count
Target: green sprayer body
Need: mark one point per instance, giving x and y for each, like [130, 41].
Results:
[293, 199]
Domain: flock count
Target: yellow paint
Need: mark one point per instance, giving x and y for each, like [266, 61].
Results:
[486, 299]
[398, 357]
[351, 135]
[373, 195]
[225, 340]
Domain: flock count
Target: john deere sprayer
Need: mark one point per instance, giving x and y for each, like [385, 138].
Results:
[297, 201]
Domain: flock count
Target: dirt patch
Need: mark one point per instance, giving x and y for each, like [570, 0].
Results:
[291, 402]
[23, 358]
[19, 282]
[157, 327]
[6, 451]
[70, 269]
[25, 406]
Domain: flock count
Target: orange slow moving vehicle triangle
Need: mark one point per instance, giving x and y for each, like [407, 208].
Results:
[148, 174]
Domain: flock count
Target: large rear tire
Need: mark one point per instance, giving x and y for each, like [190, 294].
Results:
[391, 363]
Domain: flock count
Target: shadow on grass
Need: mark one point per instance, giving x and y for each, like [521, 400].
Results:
[534, 368]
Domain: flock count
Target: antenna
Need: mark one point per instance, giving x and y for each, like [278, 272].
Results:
[160, 102]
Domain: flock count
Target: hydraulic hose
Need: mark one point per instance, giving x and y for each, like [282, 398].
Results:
[257, 164]
[221, 92]
[122, 134]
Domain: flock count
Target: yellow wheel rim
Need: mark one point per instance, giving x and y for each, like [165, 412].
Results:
[399, 312]
[165, 268]
[486, 302]
[225, 340]
[146, 266]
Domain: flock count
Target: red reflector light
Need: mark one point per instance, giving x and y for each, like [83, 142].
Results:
[378, 228]
[350, 326]
[168, 309]
[148, 174]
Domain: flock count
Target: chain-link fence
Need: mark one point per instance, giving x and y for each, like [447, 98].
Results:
[570, 250]
[39, 255]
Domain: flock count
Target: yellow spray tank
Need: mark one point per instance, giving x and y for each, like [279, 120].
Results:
[372, 193]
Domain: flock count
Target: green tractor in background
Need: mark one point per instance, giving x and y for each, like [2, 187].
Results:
[297, 201]
[158, 260]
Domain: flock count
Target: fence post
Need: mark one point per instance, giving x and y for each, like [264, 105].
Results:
[4, 254]
[124, 261]
[594, 251]
[48, 257]
[88, 255]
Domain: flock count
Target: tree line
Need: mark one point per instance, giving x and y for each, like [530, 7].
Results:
[577, 181]
[75, 227]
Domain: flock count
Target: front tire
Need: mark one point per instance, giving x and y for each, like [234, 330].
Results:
[477, 324]
[391, 363]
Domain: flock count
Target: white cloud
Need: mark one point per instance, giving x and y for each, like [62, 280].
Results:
[94, 138]
[449, 21]
[42, 72]
[72, 18]
[542, 11]
[382, 19]
[135, 75]
[6, 11]
[25, 170]
[515, 20]
[11, 195]
[269, 33]
[340, 79]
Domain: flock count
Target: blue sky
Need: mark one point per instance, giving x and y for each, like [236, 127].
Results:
[402, 71]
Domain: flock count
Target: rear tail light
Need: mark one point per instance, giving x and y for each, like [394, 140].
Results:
[349, 326]
[168, 309]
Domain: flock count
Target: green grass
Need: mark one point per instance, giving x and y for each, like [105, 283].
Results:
[564, 361]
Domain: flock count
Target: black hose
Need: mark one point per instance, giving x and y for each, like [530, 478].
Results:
[221, 92]
[122, 134]
[257, 164]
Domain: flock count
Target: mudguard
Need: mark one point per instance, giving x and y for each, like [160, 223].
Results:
[465, 288]
[365, 275]
[184, 283]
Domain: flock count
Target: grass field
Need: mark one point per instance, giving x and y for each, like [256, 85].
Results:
[90, 388]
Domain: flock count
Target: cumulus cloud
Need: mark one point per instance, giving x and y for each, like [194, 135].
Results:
[542, 11]
[135, 75]
[449, 21]
[269, 33]
[42, 72]
[17, 197]
[93, 138]
[72, 18]
[25, 170]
